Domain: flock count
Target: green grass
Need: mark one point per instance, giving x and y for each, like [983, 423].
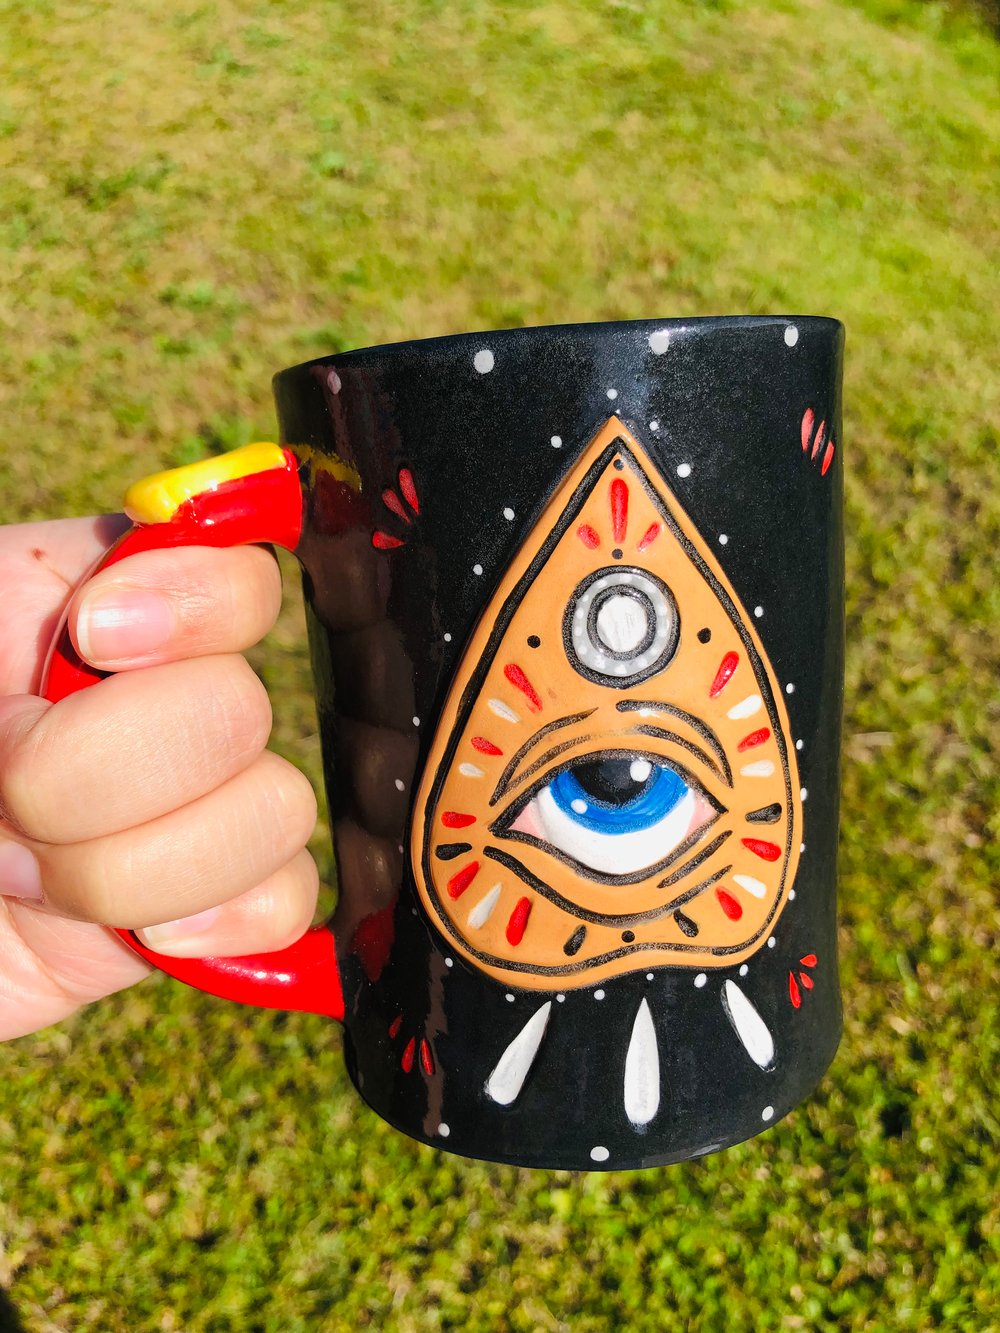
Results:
[194, 195]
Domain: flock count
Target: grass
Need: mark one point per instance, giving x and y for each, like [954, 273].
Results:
[192, 196]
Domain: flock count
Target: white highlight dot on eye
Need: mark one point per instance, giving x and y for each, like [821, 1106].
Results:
[483, 361]
[639, 770]
[400, 785]
[580, 807]
[700, 980]
[767, 1113]
[556, 441]
[599, 1154]
[684, 469]
[508, 514]
[444, 1130]
[612, 393]
[791, 335]
[723, 539]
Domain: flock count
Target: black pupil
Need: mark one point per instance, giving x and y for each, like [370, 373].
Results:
[610, 780]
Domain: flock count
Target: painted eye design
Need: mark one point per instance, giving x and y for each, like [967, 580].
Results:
[615, 814]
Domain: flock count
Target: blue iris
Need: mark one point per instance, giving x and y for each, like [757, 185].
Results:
[608, 799]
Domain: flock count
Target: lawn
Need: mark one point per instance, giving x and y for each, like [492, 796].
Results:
[194, 195]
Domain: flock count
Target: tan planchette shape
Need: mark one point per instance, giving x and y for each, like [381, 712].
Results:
[612, 784]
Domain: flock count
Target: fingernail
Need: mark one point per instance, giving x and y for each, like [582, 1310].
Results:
[20, 876]
[181, 937]
[114, 625]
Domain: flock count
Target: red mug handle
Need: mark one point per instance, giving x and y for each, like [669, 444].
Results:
[248, 496]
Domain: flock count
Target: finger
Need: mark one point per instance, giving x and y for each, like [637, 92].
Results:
[129, 749]
[189, 601]
[211, 851]
[272, 916]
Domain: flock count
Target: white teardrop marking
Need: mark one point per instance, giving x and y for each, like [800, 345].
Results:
[470, 771]
[503, 710]
[763, 768]
[748, 1026]
[507, 1079]
[642, 1070]
[751, 885]
[483, 910]
[746, 707]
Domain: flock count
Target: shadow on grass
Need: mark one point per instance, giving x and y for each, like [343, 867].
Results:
[9, 1322]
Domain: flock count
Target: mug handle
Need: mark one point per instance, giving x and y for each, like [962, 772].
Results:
[248, 496]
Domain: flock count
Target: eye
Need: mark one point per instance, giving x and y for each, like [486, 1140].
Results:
[615, 814]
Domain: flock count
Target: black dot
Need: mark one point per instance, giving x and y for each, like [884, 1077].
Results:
[534, 641]
[628, 936]
[704, 635]
[617, 553]
[619, 464]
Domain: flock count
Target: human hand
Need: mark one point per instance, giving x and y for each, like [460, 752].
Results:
[148, 800]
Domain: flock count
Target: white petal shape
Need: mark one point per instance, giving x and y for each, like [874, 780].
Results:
[642, 1070]
[748, 1026]
[483, 910]
[470, 771]
[507, 1079]
[746, 707]
[503, 710]
[751, 885]
[763, 768]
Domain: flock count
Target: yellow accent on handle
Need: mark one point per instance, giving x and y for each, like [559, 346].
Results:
[157, 498]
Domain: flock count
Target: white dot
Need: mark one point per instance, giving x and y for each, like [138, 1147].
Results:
[802, 846]
[723, 539]
[598, 995]
[659, 341]
[509, 998]
[508, 514]
[744, 970]
[483, 361]
[580, 807]
[560, 998]
[771, 942]
[803, 793]
[767, 1113]
[789, 688]
[684, 469]
[649, 976]
[333, 381]
[791, 894]
[477, 569]
[416, 721]
[612, 393]
[556, 441]
[791, 335]
[599, 1154]
[798, 745]
[700, 980]
[447, 638]
[654, 425]
[400, 784]
[449, 962]
[758, 611]
[639, 770]
[444, 1130]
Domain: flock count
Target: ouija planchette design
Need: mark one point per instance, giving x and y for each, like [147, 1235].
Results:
[611, 785]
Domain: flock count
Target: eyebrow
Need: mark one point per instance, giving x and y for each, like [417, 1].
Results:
[511, 769]
[702, 728]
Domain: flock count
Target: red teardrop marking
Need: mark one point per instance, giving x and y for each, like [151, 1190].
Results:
[397, 1023]
[619, 510]
[767, 851]
[818, 442]
[794, 994]
[649, 536]
[588, 536]
[407, 1060]
[806, 980]
[755, 738]
[809, 960]
[484, 746]
[722, 677]
[392, 501]
[729, 904]
[461, 880]
[426, 1059]
[521, 682]
[518, 921]
[452, 819]
[409, 489]
[827, 460]
[807, 424]
[383, 542]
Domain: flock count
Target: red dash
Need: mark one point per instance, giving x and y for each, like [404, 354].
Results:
[767, 851]
[452, 819]
[722, 677]
[484, 746]
[426, 1059]
[806, 980]
[755, 738]
[521, 682]
[619, 509]
[518, 921]
[588, 536]
[392, 501]
[794, 994]
[809, 960]
[827, 460]
[460, 881]
[807, 424]
[409, 490]
[397, 1023]
[729, 905]
[383, 542]
[407, 1060]
[818, 441]
[649, 536]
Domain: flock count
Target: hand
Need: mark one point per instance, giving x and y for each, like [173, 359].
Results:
[148, 800]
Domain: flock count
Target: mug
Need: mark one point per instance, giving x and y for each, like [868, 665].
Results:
[575, 608]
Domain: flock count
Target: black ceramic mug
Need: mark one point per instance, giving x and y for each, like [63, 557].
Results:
[575, 608]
